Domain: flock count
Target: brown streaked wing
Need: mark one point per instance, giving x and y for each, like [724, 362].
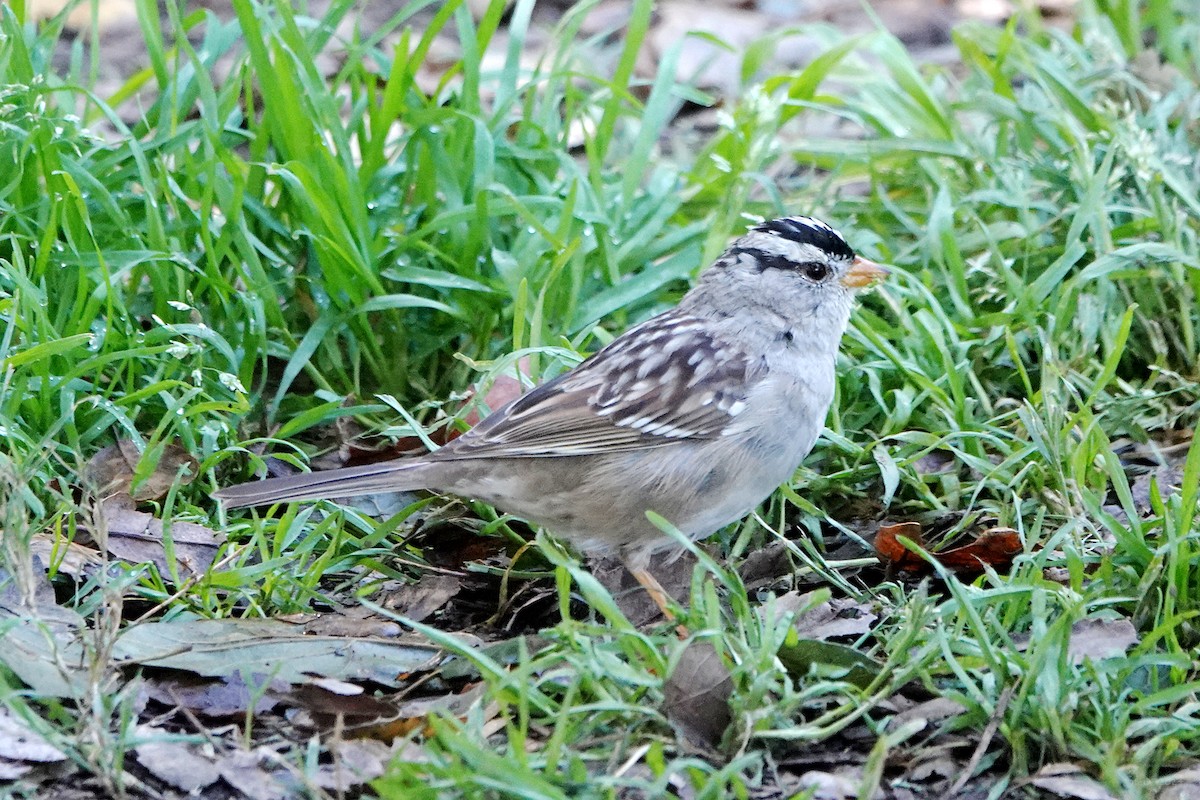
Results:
[640, 391]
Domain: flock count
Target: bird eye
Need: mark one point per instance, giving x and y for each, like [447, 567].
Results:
[815, 271]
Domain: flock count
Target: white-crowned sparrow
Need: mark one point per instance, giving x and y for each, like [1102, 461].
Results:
[697, 414]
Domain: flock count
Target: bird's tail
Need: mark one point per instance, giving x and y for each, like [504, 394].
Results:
[386, 476]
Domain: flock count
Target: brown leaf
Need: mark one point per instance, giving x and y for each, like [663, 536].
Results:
[1096, 639]
[934, 710]
[895, 554]
[174, 762]
[766, 564]
[112, 471]
[835, 617]
[995, 547]
[418, 601]
[110, 15]
[674, 574]
[63, 556]
[414, 714]
[708, 65]
[138, 537]
[214, 698]
[1068, 780]
[327, 706]
[935, 462]
[358, 622]
[696, 696]
[504, 389]
[1167, 479]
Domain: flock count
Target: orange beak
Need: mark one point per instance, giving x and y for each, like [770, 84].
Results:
[863, 273]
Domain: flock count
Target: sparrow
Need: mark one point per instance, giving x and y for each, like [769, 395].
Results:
[698, 414]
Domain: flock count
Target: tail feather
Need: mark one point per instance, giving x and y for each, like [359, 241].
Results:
[387, 476]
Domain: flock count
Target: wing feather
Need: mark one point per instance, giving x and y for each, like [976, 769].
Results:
[638, 392]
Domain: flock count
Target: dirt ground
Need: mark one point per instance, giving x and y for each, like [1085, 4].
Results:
[922, 25]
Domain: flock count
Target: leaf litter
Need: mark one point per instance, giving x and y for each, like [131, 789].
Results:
[120, 478]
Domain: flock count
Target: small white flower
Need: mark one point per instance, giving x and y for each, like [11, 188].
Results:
[179, 350]
[231, 382]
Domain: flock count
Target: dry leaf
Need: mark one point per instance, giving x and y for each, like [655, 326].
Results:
[43, 649]
[357, 761]
[12, 770]
[326, 706]
[1181, 785]
[1092, 639]
[110, 14]
[504, 389]
[829, 785]
[1167, 479]
[214, 698]
[66, 557]
[892, 551]
[418, 601]
[835, 617]
[696, 696]
[935, 710]
[935, 462]
[26, 591]
[674, 574]
[111, 471]
[358, 622]
[222, 647]
[22, 747]
[767, 564]
[241, 770]
[1100, 638]
[414, 714]
[1068, 780]
[138, 537]
[995, 547]
[938, 767]
[174, 762]
[704, 62]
